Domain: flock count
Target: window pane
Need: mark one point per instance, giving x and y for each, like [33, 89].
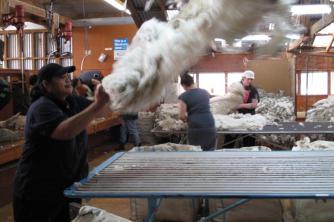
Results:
[322, 41]
[317, 83]
[214, 83]
[233, 77]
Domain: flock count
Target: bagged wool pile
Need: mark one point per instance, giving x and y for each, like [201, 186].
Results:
[11, 129]
[145, 125]
[167, 118]
[276, 107]
[16, 122]
[7, 135]
[321, 111]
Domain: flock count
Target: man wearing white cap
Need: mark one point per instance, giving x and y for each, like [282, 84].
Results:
[251, 95]
[250, 100]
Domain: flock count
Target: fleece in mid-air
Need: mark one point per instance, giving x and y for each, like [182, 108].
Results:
[160, 51]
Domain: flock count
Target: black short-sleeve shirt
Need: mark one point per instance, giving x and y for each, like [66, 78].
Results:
[47, 166]
[254, 94]
[198, 108]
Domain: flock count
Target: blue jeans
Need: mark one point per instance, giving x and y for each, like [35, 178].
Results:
[129, 128]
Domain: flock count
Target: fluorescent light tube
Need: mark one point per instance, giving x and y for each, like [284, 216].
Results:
[256, 38]
[118, 5]
[310, 9]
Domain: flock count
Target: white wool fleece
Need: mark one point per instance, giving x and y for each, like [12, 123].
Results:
[160, 51]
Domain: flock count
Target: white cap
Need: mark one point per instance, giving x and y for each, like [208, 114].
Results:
[248, 74]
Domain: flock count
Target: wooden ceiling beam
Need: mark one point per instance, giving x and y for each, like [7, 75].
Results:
[330, 44]
[161, 5]
[322, 23]
[134, 13]
[34, 10]
[295, 44]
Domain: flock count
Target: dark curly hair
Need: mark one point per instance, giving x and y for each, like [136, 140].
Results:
[187, 79]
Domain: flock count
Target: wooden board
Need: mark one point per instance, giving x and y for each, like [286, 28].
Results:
[97, 126]
[11, 151]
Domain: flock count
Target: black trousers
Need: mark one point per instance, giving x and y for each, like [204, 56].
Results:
[47, 210]
[204, 137]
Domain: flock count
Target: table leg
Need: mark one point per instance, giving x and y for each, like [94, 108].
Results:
[153, 205]
[224, 210]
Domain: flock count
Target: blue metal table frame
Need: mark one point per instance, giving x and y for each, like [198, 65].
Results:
[241, 175]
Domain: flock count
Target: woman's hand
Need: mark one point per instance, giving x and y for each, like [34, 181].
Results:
[101, 97]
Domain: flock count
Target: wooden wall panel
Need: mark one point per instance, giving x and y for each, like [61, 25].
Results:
[272, 74]
[99, 38]
[314, 63]
[301, 101]
[221, 63]
[306, 63]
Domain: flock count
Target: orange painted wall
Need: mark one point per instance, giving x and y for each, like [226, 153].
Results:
[99, 38]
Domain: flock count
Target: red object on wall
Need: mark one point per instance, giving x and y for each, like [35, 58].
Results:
[16, 19]
[67, 31]
[19, 19]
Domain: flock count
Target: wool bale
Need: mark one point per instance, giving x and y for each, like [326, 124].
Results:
[266, 210]
[314, 210]
[170, 209]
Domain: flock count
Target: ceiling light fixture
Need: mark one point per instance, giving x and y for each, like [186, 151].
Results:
[310, 9]
[119, 5]
[256, 38]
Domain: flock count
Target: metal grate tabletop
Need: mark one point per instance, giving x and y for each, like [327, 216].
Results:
[277, 174]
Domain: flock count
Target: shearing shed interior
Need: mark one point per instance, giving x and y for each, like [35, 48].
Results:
[166, 110]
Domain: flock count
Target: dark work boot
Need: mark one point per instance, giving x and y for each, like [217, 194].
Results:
[121, 146]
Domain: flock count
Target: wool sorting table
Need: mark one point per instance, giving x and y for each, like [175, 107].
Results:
[242, 175]
[284, 128]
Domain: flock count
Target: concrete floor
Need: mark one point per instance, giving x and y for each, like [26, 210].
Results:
[96, 156]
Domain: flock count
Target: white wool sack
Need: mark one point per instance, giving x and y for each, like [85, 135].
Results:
[260, 210]
[305, 144]
[160, 51]
[93, 214]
